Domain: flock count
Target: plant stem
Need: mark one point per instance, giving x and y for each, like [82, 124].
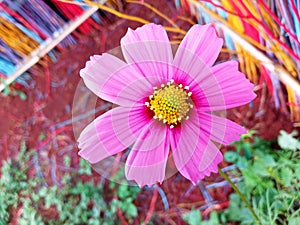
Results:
[235, 188]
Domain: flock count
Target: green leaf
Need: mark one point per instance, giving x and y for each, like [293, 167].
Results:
[213, 219]
[22, 96]
[288, 141]
[131, 210]
[259, 169]
[43, 192]
[242, 163]
[231, 156]
[251, 180]
[286, 176]
[294, 221]
[67, 160]
[247, 150]
[268, 160]
[123, 191]
[85, 167]
[193, 217]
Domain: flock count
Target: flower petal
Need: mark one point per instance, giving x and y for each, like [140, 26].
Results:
[217, 88]
[231, 90]
[190, 68]
[113, 80]
[220, 129]
[110, 133]
[148, 43]
[201, 41]
[195, 156]
[193, 72]
[147, 160]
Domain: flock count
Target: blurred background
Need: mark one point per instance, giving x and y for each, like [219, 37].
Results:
[44, 44]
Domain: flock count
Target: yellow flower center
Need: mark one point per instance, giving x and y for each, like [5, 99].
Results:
[170, 103]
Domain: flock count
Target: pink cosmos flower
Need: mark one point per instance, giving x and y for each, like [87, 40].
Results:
[164, 103]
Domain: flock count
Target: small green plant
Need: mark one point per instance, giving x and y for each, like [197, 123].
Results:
[270, 183]
[75, 202]
[126, 195]
[288, 141]
[194, 218]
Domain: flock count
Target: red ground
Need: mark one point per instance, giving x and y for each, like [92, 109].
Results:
[38, 120]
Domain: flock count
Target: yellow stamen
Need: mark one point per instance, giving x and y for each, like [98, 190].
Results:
[171, 103]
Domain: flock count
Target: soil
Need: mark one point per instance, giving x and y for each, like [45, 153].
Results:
[42, 119]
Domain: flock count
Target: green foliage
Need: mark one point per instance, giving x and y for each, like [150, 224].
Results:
[126, 194]
[270, 183]
[74, 202]
[288, 141]
[13, 180]
[194, 218]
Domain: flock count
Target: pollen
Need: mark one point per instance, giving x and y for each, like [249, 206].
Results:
[171, 103]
